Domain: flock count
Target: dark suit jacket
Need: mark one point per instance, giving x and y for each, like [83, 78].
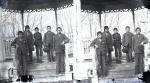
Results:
[58, 39]
[108, 38]
[116, 39]
[49, 39]
[38, 39]
[22, 48]
[101, 45]
[137, 39]
[127, 39]
[30, 40]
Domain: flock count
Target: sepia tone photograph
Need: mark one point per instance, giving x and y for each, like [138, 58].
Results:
[74, 41]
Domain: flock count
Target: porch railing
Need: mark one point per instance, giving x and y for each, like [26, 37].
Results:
[88, 53]
[8, 50]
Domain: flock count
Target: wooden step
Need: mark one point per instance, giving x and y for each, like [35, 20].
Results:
[43, 73]
[42, 66]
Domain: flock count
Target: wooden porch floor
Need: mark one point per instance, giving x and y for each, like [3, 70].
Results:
[119, 71]
[45, 72]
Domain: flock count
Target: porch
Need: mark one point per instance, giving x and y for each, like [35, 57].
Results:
[45, 71]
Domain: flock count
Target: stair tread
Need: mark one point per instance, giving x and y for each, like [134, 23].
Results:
[42, 69]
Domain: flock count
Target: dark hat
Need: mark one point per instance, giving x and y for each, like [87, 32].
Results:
[45, 49]
[20, 32]
[99, 32]
[48, 26]
[27, 27]
[58, 28]
[36, 28]
[125, 49]
[106, 27]
[138, 28]
[128, 27]
[115, 29]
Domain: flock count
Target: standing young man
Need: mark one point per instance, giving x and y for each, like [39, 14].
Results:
[127, 43]
[60, 40]
[100, 44]
[38, 44]
[138, 48]
[21, 54]
[30, 41]
[49, 43]
[109, 42]
[117, 45]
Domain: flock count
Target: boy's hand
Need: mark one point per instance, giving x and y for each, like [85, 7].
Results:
[13, 46]
[142, 43]
[63, 43]
[96, 46]
[133, 53]
[17, 45]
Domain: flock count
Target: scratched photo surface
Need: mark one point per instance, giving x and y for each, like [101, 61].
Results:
[74, 41]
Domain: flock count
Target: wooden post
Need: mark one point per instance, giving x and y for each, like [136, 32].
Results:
[78, 30]
[56, 17]
[41, 20]
[2, 48]
[80, 70]
[78, 50]
[100, 20]
[133, 15]
[22, 19]
[118, 20]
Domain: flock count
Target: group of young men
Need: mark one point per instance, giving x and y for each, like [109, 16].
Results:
[25, 43]
[55, 43]
[133, 46]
